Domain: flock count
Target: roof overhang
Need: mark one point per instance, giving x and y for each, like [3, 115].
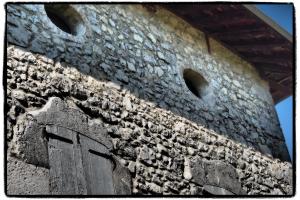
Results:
[250, 34]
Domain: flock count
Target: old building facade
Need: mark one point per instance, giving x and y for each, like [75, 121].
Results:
[121, 99]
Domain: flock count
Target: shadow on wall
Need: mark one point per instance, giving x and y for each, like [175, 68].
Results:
[121, 56]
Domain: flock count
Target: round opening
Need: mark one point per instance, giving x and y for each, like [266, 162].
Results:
[65, 18]
[195, 82]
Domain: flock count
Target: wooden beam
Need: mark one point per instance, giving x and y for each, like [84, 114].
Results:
[268, 59]
[261, 47]
[278, 86]
[217, 17]
[251, 40]
[272, 68]
[231, 23]
[275, 73]
[257, 52]
[257, 42]
[285, 79]
[238, 32]
[207, 43]
[213, 8]
[284, 55]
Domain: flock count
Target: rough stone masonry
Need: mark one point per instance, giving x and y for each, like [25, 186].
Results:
[122, 67]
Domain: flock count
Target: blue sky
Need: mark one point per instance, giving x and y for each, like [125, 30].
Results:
[282, 14]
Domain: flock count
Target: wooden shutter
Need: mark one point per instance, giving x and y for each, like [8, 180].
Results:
[78, 164]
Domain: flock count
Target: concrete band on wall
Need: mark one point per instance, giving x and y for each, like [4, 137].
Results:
[126, 70]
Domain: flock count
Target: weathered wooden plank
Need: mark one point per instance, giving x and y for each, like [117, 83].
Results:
[284, 54]
[263, 63]
[97, 167]
[262, 47]
[261, 59]
[80, 176]
[63, 177]
[89, 143]
[55, 167]
[237, 23]
[286, 78]
[55, 130]
[238, 31]
[273, 67]
[101, 168]
[68, 169]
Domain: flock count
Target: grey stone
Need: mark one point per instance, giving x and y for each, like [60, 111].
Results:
[120, 75]
[132, 167]
[18, 94]
[166, 46]
[149, 58]
[154, 188]
[196, 190]
[31, 7]
[144, 153]
[162, 149]
[191, 151]
[237, 83]
[109, 46]
[126, 133]
[216, 173]
[113, 85]
[105, 67]
[276, 191]
[85, 68]
[216, 190]
[147, 155]
[127, 103]
[265, 149]
[180, 127]
[138, 38]
[14, 35]
[254, 135]
[268, 182]
[224, 91]
[151, 37]
[133, 29]
[226, 78]
[111, 22]
[161, 55]
[131, 66]
[159, 71]
[187, 174]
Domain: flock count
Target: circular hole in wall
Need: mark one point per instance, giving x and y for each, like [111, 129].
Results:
[195, 82]
[65, 18]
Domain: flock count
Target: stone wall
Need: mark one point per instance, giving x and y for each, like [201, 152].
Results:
[124, 66]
